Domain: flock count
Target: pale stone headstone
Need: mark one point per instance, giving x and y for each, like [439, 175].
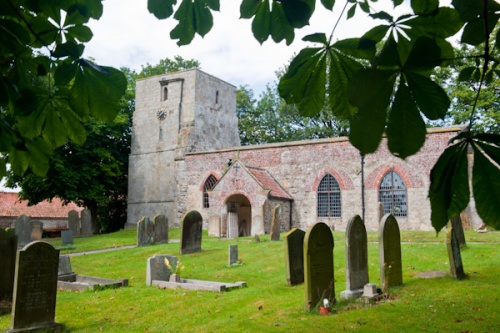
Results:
[389, 242]
[453, 245]
[356, 249]
[35, 288]
[276, 224]
[214, 227]
[8, 250]
[66, 237]
[257, 225]
[160, 225]
[294, 256]
[145, 232]
[23, 230]
[74, 223]
[36, 230]
[156, 268]
[318, 265]
[191, 232]
[86, 222]
[232, 255]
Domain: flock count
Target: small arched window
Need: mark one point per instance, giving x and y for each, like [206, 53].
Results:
[392, 194]
[165, 94]
[209, 185]
[329, 203]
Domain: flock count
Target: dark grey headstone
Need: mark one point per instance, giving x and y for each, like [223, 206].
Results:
[35, 288]
[64, 266]
[356, 247]
[145, 232]
[294, 256]
[74, 223]
[23, 230]
[232, 254]
[36, 230]
[191, 232]
[67, 237]
[318, 265]
[389, 242]
[276, 224]
[8, 250]
[453, 245]
[456, 224]
[86, 222]
[160, 223]
[157, 270]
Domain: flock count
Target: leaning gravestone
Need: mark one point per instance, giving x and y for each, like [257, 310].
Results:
[145, 232]
[86, 220]
[36, 230]
[389, 242]
[160, 226]
[232, 256]
[456, 224]
[453, 245]
[66, 237]
[8, 250]
[157, 270]
[191, 232]
[276, 224]
[356, 248]
[318, 265]
[74, 223]
[294, 256]
[23, 230]
[35, 289]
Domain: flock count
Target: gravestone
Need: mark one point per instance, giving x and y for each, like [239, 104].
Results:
[23, 230]
[453, 246]
[294, 256]
[214, 228]
[86, 223]
[232, 255]
[191, 232]
[160, 226]
[35, 288]
[64, 267]
[74, 223]
[389, 242]
[456, 224]
[8, 250]
[356, 249]
[36, 230]
[156, 268]
[145, 232]
[66, 237]
[318, 265]
[276, 224]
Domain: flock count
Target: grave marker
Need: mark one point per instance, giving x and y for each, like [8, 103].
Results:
[86, 221]
[156, 268]
[145, 232]
[160, 226]
[275, 224]
[74, 223]
[214, 227]
[453, 246]
[36, 230]
[35, 288]
[356, 248]
[294, 256]
[232, 255]
[23, 230]
[389, 242]
[191, 232]
[318, 265]
[66, 237]
[8, 250]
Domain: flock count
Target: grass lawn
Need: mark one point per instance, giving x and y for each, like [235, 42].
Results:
[269, 304]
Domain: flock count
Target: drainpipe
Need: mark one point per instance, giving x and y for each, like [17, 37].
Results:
[290, 222]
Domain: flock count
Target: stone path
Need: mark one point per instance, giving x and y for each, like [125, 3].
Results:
[74, 254]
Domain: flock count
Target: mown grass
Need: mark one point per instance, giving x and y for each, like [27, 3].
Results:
[269, 304]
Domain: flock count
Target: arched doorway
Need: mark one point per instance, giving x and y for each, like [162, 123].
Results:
[239, 216]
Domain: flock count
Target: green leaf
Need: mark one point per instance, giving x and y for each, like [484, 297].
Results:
[425, 54]
[261, 24]
[280, 29]
[377, 33]
[316, 38]
[203, 18]
[19, 161]
[80, 32]
[68, 49]
[488, 137]
[315, 89]
[65, 72]
[466, 74]
[449, 189]
[389, 56]
[443, 23]
[486, 186]
[298, 12]
[431, 99]
[249, 8]
[357, 47]
[406, 128]
[213, 4]
[75, 130]
[3, 169]
[39, 153]
[424, 6]
[53, 130]
[184, 31]
[161, 9]
[352, 11]
[328, 4]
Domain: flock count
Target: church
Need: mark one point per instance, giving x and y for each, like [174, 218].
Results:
[186, 155]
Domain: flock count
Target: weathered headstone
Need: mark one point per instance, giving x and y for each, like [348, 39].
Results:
[453, 245]
[66, 237]
[318, 265]
[214, 227]
[294, 256]
[74, 223]
[145, 232]
[232, 255]
[35, 288]
[456, 224]
[36, 230]
[64, 266]
[8, 250]
[86, 222]
[23, 230]
[157, 270]
[380, 211]
[356, 249]
[276, 224]
[389, 242]
[191, 232]
[160, 226]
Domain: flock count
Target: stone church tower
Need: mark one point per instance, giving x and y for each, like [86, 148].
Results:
[175, 114]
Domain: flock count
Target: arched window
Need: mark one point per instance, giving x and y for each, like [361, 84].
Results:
[217, 97]
[165, 93]
[209, 185]
[329, 204]
[392, 194]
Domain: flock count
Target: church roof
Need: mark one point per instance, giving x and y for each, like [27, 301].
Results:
[11, 206]
[268, 182]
